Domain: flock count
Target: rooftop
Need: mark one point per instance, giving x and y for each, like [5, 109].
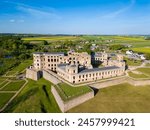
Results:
[99, 69]
[50, 53]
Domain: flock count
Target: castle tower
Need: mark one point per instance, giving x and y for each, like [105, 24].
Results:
[37, 61]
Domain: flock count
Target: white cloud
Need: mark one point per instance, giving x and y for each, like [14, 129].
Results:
[16, 21]
[34, 11]
[120, 11]
[12, 20]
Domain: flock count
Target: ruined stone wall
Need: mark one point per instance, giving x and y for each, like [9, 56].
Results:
[49, 76]
[65, 106]
[33, 74]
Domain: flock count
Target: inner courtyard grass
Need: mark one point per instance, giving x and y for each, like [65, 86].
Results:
[119, 98]
[132, 62]
[14, 86]
[4, 98]
[133, 75]
[35, 97]
[68, 92]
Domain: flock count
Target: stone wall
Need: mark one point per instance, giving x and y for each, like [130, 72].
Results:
[121, 81]
[49, 76]
[33, 74]
[110, 82]
[65, 106]
[138, 82]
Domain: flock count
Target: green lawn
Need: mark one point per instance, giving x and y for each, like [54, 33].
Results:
[11, 73]
[147, 65]
[131, 62]
[144, 70]
[13, 86]
[35, 97]
[22, 66]
[4, 98]
[3, 83]
[68, 92]
[119, 98]
[133, 75]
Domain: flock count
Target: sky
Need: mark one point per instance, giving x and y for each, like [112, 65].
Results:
[75, 16]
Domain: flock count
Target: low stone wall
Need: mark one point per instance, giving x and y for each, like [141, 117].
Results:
[109, 83]
[48, 76]
[138, 82]
[121, 81]
[65, 106]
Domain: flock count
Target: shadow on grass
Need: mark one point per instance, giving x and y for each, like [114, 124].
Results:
[43, 109]
[95, 90]
[19, 99]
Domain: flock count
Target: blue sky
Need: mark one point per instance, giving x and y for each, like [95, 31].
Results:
[75, 16]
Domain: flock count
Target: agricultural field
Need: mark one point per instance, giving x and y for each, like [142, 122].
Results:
[35, 97]
[68, 92]
[122, 98]
[52, 38]
[142, 49]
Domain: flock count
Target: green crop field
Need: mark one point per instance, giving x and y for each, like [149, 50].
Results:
[4, 98]
[13, 86]
[133, 75]
[119, 98]
[68, 92]
[35, 97]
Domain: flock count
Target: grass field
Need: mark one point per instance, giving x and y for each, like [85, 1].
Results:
[145, 71]
[132, 62]
[119, 98]
[22, 66]
[18, 69]
[67, 92]
[11, 73]
[133, 75]
[3, 83]
[14, 86]
[4, 98]
[35, 97]
[147, 65]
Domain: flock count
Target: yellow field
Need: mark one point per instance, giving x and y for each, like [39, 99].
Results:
[140, 39]
[53, 38]
[142, 49]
